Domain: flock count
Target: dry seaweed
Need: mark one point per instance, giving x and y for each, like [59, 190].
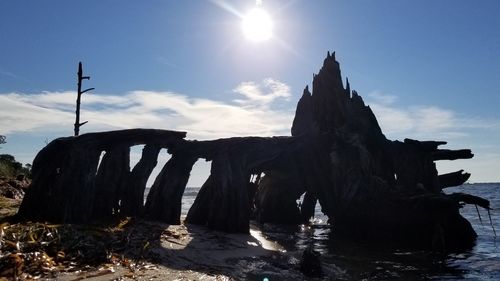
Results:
[33, 250]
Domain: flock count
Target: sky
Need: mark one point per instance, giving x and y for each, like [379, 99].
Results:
[430, 70]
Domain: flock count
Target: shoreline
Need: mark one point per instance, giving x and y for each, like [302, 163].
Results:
[147, 250]
[191, 252]
[137, 249]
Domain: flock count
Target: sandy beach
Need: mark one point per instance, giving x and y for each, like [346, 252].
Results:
[138, 249]
[146, 250]
[196, 253]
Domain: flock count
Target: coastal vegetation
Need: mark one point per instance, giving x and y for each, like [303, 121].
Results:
[10, 168]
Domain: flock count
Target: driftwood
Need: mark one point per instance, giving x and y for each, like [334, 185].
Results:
[223, 201]
[164, 199]
[453, 179]
[368, 186]
[132, 203]
[64, 174]
[379, 188]
[109, 181]
[79, 93]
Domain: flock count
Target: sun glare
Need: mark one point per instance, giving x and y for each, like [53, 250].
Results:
[257, 25]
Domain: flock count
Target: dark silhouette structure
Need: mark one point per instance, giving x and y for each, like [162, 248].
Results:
[368, 186]
[78, 98]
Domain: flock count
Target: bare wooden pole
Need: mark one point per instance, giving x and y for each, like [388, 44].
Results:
[78, 98]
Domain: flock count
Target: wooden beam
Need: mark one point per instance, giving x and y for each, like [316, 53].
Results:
[453, 179]
[447, 154]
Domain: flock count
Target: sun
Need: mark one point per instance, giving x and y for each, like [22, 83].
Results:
[257, 25]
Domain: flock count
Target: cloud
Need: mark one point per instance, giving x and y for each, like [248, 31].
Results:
[255, 112]
[18, 115]
[261, 94]
[201, 118]
[435, 123]
[7, 74]
[423, 122]
[382, 98]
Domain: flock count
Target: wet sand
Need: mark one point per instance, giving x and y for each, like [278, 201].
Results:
[136, 249]
[187, 252]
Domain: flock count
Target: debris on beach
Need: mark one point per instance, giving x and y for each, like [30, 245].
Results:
[13, 188]
[34, 250]
[370, 187]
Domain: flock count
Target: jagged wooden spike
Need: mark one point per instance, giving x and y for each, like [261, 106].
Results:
[80, 77]
[347, 87]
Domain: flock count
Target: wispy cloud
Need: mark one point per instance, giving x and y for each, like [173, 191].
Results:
[379, 97]
[253, 111]
[17, 115]
[201, 118]
[435, 123]
[261, 94]
[423, 122]
[8, 74]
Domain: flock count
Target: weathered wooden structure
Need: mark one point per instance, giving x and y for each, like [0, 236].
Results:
[79, 93]
[368, 186]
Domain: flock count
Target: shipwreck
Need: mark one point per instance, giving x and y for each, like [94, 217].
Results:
[368, 186]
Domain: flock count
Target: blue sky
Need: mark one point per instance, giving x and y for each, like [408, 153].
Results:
[429, 69]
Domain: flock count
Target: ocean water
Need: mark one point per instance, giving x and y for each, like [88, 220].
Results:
[357, 261]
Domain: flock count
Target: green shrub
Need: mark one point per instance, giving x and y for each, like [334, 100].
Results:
[9, 167]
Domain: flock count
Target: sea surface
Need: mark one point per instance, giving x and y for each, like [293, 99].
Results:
[357, 261]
